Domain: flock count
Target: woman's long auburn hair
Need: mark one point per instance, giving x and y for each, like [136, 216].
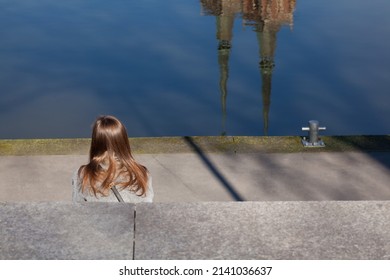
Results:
[110, 147]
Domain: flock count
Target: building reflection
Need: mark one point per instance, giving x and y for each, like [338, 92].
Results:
[266, 17]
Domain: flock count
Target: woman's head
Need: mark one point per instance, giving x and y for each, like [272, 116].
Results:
[109, 136]
[110, 160]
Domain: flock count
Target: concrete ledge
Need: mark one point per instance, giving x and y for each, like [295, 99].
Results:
[226, 144]
[66, 231]
[211, 230]
[266, 230]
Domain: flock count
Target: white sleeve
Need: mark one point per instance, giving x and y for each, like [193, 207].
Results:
[149, 192]
[77, 195]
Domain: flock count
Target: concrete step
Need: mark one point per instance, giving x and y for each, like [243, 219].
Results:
[196, 230]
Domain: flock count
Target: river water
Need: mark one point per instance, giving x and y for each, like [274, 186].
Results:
[194, 67]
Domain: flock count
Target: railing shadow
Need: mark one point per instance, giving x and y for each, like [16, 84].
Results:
[228, 186]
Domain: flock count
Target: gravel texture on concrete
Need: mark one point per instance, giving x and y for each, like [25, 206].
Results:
[201, 230]
[263, 230]
[66, 231]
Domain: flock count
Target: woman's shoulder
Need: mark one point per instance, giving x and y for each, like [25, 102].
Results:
[127, 195]
[75, 174]
[77, 194]
[132, 197]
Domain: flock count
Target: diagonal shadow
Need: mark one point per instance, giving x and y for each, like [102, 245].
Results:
[213, 169]
[377, 146]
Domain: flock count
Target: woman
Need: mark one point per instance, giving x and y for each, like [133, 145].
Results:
[111, 167]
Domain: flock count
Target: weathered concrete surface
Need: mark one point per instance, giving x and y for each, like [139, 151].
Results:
[186, 169]
[38, 178]
[66, 231]
[202, 230]
[316, 220]
[190, 177]
[263, 230]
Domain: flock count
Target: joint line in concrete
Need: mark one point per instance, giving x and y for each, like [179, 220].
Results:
[135, 214]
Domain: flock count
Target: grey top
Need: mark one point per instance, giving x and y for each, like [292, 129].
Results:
[127, 195]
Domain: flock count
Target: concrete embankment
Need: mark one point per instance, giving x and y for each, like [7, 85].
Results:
[202, 230]
[190, 169]
[216, 198]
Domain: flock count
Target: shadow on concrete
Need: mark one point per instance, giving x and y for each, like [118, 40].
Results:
[348, 168]
[228, 186]
[309, 176]
[378, 147]
[383, 158]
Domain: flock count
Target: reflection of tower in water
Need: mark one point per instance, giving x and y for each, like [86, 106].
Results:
[224, 46]
[266, 17]
[225, 12]
[225, 22]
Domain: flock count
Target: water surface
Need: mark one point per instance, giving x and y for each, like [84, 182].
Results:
[194, 67]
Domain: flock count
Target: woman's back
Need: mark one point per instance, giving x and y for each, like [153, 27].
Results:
[111, 164]
[127, 195]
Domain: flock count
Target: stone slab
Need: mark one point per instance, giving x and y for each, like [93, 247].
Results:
[270, 177]
[190, 177]
[66, 231]
[264, 230]
[38, 178]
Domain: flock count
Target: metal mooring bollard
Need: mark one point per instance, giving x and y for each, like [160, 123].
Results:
[314, 139]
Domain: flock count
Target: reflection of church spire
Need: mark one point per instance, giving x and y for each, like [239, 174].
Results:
[224, 36]
[225, 12]
[267, 44]
[267, 17]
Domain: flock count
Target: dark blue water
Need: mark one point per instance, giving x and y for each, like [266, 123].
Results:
[191, 67]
